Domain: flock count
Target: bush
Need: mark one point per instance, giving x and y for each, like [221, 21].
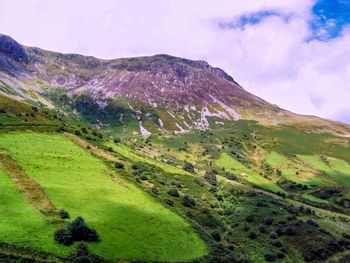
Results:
[216, 236]
[80, 231]
[277, 243]
[169, 202]
[63, 214]
[76, 231]
[210, 177]
[116, 140]
[119, 165]
[188, 201]
[230, 176]
[64, 237]
[290, 231]
[270, 257]
[268, 220]
[155, 190]
[82, 259]
[188, 167]
[252, 235]
[173, 192]
[312, 223]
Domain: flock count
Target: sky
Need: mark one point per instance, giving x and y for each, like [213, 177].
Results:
[293, 53]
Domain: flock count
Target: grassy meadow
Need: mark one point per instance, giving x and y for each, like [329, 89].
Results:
[131, 224]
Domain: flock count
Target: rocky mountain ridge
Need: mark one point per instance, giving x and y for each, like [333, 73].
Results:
[156, 94]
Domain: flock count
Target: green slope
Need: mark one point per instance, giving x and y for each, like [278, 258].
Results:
[20, 224]
[131, 224]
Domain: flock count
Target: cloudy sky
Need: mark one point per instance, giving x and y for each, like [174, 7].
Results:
[294, 53]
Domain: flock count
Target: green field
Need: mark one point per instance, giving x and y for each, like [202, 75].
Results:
[233, 166]
[337, 170]
[294, 171]
[20, 224]
[131, 155]
[131, 224]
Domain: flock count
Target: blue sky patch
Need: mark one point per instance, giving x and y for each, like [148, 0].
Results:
[330, 17]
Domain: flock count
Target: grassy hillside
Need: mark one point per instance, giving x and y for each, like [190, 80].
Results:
[22, 225]
[131, 224]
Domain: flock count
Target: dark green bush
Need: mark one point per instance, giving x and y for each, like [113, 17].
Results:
[210, 177]
[270, 257]
[64, 237]
[63, 214]
[77, 230]
[188, 201]
[119, 165]
[80, 231]
[188, 167]
[173, 192]
[216, 235]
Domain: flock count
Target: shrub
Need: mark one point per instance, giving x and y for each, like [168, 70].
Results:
[82, 250]
[216, 236]
[290, 231]
[80, 231]
[270, 257]
[64, 237]
[252, 235]
[77, 132]
[155, 190]
[188, 167]
[173, 192]
[312, 223]
[268, 220]
[119, 165]
[63, 214]
[188, 201]
[116, 140]
[210, 177]
[82, 259]
[76, 231]
[230, 176]
[277, 243]
[169, 202]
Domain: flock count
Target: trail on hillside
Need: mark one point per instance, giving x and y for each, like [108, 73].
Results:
[33, 192]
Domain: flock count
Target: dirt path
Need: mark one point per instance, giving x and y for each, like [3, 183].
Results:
[27, 185]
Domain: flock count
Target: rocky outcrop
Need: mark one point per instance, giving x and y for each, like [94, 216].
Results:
[12, 49]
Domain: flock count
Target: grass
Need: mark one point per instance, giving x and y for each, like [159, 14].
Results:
[294, 171]
[335, 169]
[131, 155]
[21, 224]
[233, 166]
[131, 224]
[314, 199]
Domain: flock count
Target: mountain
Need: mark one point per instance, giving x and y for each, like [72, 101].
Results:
[161, 159]
[157, 94]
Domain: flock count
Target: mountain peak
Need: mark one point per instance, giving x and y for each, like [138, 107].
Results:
[12, 49]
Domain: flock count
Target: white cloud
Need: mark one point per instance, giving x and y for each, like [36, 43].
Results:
[270, 59]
